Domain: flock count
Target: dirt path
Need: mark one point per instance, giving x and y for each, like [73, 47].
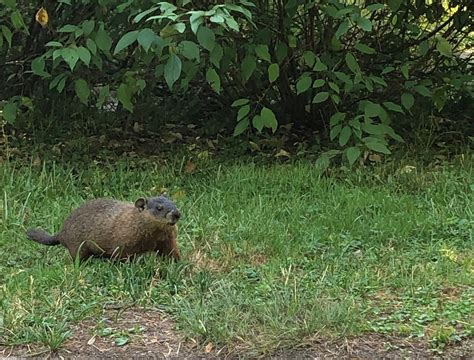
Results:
[136, 333]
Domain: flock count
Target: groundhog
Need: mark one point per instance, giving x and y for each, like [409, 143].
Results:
[115, 229]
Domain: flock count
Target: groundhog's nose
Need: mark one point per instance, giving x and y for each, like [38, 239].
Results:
[176, 214]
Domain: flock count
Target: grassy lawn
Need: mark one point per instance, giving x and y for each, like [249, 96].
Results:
[273, 255]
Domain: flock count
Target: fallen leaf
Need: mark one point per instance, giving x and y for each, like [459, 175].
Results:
[283, 153]
[91, 341]
[375, 158]
[408, 169]
[137, 127]
[208, 348]
[190, 167]
[254, 146]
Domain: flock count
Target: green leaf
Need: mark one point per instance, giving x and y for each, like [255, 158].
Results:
[309, 58]
[257, 123]
[216, 56]
[125, 41]
[172, 70]
[37, 66]
[352, 154]
[404, 69]
[319, 66]
[318, 83]
[394, 4]
[352, 63]
[281, 52]
[230, 21]
[336, 118]
[303, 84]
[61, 84]
[88, 27]
[320, 97]
[373, 129]
[263, 53]
[335, 130]
[241, 127]
[7, 34]
[103, 95]
[248, 66]
[196, 19]
[323, 162]
[141, 84]
[9, 112]
[364, 49]
[180, 27]
[269, 119]
[393, 107]
[84, 55]
[141, 15]
[214, 80]
[54, 83]
[240, 102]
[387, 69]
[103, 40]
[334, 87]
[189, 50]
[364, 23]
[10, 3]
[243, 112]
[342, 29]
[70, 56]
[378, 147]
[68, 28]
[218, 19]
[407, 100]
[344, 135]
[17, 20]
[423, 48]
[54, 44]
[423, 90]
[146, 37]
[122, 340]
[273, 72]
[206, 38]
[91, 46]
[124, 95]
[443, 46]
[82, 90]
[372, 110]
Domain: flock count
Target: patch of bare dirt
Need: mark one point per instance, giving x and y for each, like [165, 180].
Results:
[140, 333]
[375, 347]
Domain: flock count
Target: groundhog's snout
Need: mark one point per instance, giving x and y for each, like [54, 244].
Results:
[173, 216]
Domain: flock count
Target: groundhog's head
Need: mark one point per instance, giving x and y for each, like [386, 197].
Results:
[160, 208]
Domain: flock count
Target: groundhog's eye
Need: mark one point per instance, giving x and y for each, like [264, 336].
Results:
[159, 207]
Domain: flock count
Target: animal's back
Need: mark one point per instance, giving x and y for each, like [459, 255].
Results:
[96, 222]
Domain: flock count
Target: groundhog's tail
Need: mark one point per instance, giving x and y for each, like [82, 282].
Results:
[42, 237]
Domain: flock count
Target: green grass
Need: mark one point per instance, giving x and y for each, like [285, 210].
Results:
[272, 255]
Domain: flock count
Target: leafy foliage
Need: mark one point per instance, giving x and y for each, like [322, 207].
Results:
[296, 62]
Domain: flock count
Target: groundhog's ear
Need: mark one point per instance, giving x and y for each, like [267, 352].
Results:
[140, 204]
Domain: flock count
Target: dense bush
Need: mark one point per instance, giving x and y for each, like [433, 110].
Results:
[356, 70]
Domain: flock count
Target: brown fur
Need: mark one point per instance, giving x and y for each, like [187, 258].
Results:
[109, 228]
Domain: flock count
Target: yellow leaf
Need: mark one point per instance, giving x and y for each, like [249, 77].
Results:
[42, 17]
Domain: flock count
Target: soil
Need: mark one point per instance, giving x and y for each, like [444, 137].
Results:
[139, 333]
